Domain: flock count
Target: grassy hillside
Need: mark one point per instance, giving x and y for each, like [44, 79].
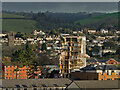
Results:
[98, 19]
[17, 25]
[5, 15]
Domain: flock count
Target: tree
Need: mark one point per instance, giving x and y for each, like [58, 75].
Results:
[29, 55]
[32, 72]
[110, 45]
[96, 49]
[24, 56]
[19, 56]
[19, 34]
[118, 52]
[45, 72]
[44, 47]
[53, 32]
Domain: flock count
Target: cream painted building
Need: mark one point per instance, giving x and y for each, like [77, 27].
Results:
[73, 54]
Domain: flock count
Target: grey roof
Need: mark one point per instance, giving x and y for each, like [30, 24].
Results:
[91, 60]
[108, 67]
[101, 60]
[102, 67]
[101, 84]
[6, 83]
[14, 83]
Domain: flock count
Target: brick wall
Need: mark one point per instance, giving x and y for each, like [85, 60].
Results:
[94, 76]
[14, 72]
[111, 61]
[84, 75]
[105, 76]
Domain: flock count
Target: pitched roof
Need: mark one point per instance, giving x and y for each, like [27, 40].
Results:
[104, 61]
[101, 61]
[6, 83]
[101, 84]
[102, 67]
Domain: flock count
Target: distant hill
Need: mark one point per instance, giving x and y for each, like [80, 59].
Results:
[6, 15]
[72, 16]
[17, 23]
[110, 18]
[25, 23]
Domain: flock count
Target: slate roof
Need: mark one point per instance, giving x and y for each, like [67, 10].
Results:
[102, 67]
[101, 61]
[106, 84]
[91, 60]
[35, 83]
[103, 84]
[108, 67]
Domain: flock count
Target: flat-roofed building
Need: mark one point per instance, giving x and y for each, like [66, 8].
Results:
[72, 55]
[15, 72]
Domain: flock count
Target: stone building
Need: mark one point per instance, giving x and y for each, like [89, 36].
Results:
[72, 55]
[11, 37]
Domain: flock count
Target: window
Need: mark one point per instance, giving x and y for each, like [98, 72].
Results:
[116, 78]
[6, 70]
[55, 85]
[34, 88]
[56, 88]
[109, 79]
[112, 71]
[6, 74]
[6, 77]
[107, 73]
[43, 85]
[25, 87]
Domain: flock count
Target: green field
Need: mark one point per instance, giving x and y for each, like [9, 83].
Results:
[5, 15]
[17, 25]
[97, 19]
[28, 26]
